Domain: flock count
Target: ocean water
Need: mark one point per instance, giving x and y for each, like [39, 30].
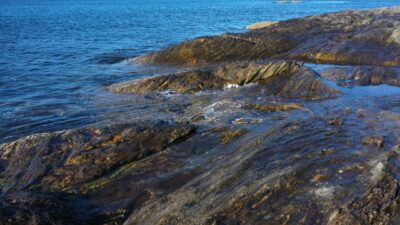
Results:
[57, 57]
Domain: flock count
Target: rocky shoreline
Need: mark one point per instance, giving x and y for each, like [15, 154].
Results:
[255, 131]
[349, 37]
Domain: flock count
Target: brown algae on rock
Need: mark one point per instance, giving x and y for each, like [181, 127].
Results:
[230, 135]
[273, 107]
[375, 140]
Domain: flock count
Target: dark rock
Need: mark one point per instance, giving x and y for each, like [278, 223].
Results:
[193, 81]
[283, 176]
[62, 160]
[236, 174]
[375, 207]
[348, 37]
[30, 208]
[281, 78]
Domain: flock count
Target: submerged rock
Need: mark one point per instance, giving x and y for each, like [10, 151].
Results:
[337, 121]
[349, 37]
[281, 78]
[377, 141]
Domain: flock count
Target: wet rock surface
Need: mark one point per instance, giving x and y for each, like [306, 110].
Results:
[294, 173]
[273, 107]
[293, 166]
[62, 160]
[281, 78]
[349, 37]
[244, 142]
[42, 208]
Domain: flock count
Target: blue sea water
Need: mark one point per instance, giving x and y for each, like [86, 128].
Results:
[57, 57]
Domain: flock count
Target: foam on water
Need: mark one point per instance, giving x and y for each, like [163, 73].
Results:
[229, 86]
[216, 109]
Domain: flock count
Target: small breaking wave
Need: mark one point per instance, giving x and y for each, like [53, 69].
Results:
[118, 56]
[213, 111]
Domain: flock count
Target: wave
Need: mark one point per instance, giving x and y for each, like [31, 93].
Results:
[115, 57]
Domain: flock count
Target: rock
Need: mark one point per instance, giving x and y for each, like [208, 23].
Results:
[245, 174]
[377, 141]
[376, 207]
[193, 81]
[282, 176]
[259, 25]
[396, 149]
[228, 136]
[241, 121]
[281, 78]
[362, 75]
[274, 107]
[362, 113]
[63, 160]
[348, 37]
[30, 208]
[337, 121]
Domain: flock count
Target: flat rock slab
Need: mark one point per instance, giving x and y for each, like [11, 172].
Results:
[296, 163]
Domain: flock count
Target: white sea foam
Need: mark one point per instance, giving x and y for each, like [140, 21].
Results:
[219, 108]
[229, 86]
[169, 93]
[377, 172]
[325, 191]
